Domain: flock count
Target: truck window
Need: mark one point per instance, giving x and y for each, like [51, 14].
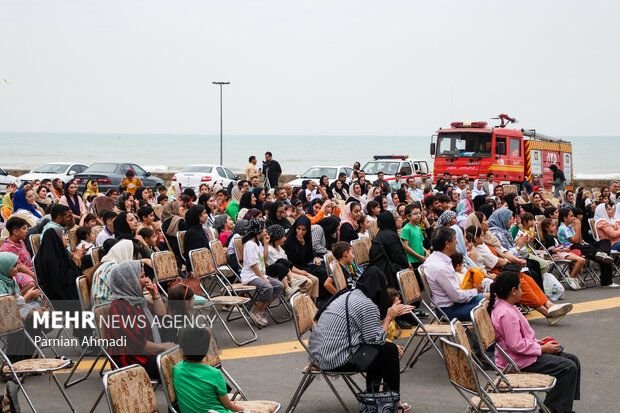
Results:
[405, 169]
[500, 146]
[515, 148]
[424, 168]
[470, 145]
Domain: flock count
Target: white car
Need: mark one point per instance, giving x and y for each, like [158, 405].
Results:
[6, 179]
[316, 172]
[193, 176]
[391, 164]
[53, 170]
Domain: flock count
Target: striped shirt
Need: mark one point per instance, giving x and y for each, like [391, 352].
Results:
[329, 341]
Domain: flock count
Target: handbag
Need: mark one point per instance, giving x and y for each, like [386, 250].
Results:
[191, 281]
[385, 401]
[366, 354]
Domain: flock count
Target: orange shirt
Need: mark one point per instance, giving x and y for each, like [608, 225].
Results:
[131, 184]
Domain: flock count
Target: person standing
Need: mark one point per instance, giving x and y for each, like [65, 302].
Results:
[272, 170]
[489, 185]
[559, 181]
[250, 169]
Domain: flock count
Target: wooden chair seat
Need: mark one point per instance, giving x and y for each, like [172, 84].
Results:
[526, 381]
[229, 300]
[241, 287]
[441, 329]
[508, 401]
[31, 365]
[258, 406]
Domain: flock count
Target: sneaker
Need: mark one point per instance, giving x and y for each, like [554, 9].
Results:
[612, 285]
[263, 318]
[290, 291]
[419, 313]
[298, 282]
[601, 256]
[258, 319]
[560, 310]
[554, 320]
[573, 283]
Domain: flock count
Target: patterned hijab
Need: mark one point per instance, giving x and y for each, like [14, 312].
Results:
[124, 282]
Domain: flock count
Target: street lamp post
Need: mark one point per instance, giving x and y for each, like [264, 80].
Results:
[221, 84]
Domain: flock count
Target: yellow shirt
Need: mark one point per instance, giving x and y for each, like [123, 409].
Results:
[131, 184]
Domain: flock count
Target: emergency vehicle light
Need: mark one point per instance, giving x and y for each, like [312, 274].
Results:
[468, 124]
[390, 157]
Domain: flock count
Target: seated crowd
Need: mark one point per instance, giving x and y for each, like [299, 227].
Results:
[464, 242]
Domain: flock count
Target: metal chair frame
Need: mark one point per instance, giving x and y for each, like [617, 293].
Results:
[313, 370]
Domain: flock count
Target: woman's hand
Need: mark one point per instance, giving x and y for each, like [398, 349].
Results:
[301, 239]
[316, 261]
[150, 287]
[141, 240]
[398, 309]
[32, 293]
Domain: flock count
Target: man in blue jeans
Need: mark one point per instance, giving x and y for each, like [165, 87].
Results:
[443, 281]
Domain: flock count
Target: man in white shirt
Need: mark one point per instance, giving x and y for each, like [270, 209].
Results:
[416, 194]
[443, 281]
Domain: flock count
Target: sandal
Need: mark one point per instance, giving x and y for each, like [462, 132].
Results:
[404, 407]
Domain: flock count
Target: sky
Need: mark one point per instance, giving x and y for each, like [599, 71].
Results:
[307, 67]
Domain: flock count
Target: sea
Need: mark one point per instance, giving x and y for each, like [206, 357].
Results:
[594, 157]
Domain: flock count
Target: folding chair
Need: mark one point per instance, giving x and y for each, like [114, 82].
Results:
[212, 234]
[95, 255]
[96, 230]
[11, 323]
[465, 374]
[181, 243]
[361, 251]
[428, 333]
[614, 254]
[203, 266]
[129, 390]
[224, 271]
[373, 228]
[328, 258]
[340, 280]
[238, 243]
[165, 269]
[35, 243]
[73, 241]
[170, 358]
[85, 303]
[428, 301]
[304, 311]
[506, 382]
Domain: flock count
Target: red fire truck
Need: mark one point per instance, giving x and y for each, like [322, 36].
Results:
[513, 155]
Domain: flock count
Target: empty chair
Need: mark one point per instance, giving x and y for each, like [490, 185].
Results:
[129, 390]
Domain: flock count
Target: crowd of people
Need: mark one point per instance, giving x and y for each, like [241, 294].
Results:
[466, 236]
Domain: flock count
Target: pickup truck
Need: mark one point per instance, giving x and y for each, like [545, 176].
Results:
[391, 164]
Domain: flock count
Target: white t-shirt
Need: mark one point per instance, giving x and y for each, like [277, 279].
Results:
[102, 236]
[486, 258]
[252, 255]
[274, 254]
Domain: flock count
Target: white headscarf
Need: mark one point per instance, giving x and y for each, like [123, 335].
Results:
[600, 214]
[121, 251]
[475, 192]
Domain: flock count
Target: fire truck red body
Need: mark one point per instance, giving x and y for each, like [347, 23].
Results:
[513, 155]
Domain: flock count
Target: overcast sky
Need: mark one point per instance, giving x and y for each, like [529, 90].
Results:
[313, 67]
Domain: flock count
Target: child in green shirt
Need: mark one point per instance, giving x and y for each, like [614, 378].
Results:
[412, 236]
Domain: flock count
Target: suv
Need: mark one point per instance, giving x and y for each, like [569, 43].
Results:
[6, 179]
[391, 164]
[314, 174]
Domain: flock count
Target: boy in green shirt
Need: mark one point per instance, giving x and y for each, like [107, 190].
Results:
[198, 386]
[412, 236]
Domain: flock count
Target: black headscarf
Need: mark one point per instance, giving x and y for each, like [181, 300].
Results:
[256, 192]
[380, 199]
[558, 175]
[479, 200]
[386, 221]
[55, 268]
[402, 195]
[121, 227]
[204, 201]
[297, 253]
[330, 226]
[120, 202]
[246, 201]
[487, 210]
[72, 202]
[272, 216]
[510, 200]
[192, 216]
[373, 284]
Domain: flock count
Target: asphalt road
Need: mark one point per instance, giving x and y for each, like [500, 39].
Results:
[271, 371]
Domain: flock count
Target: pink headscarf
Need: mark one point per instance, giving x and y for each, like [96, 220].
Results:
[345, 216]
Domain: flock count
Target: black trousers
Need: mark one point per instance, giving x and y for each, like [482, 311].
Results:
[590, 250]
[385, 368]
[279, 269]
[565, 367]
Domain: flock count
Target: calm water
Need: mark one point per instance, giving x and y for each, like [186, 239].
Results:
[594, 157]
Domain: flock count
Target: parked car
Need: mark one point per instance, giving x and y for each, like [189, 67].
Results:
[110, 174]
[63, 170]
[316, 172]
[6, 179]
[390, 164]
[193, 176]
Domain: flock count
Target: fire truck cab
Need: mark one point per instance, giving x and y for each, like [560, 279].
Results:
[513, 155]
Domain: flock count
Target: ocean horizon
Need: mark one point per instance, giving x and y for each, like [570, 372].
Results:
[594, 157]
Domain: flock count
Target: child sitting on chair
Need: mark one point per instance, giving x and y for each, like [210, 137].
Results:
[198, 386]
